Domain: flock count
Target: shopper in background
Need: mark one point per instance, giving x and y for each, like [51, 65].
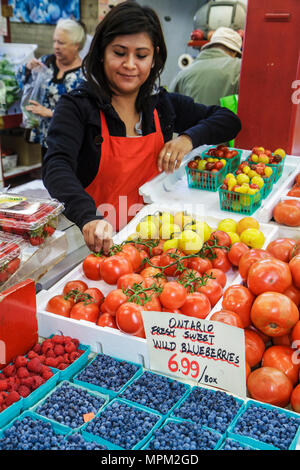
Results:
[216, 71]
[65, 64]
[115, 132]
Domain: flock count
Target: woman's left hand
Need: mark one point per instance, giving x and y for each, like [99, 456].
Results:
[37, 108]
[172, 153]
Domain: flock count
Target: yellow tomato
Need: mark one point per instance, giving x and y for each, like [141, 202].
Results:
[246, 222]
[227, 225]
[190, 242]
[253, 237]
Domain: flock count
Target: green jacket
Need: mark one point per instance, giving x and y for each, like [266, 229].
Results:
[211, 76]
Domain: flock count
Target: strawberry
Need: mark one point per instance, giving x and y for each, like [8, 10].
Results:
[36, 240]
[48, 230]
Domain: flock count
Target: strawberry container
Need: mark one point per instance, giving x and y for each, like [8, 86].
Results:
[34, 219]
[241, 203]
[231, 163]
[204, 179]
[11, 247]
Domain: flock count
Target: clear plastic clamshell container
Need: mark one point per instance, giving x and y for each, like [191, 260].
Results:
[11, 247]
[33, 219]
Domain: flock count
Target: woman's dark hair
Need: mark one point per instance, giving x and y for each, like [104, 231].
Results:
[126, 18]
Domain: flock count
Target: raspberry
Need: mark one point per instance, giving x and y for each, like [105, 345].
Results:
[9, 370]
[42, 358]
[51, 362]
[62, 366]
[76, 342]
[22, 372]
[20, 361]
[37, 381]
[47, 374]
[74, 355]
[47, 344]
[12, 383]
[35, 365]
[66, 358]
[58, 339]
[28, 382]
[59, 359]
[3, 385]
[37, 348]
[59, 350]
[32, 355]
[12, 397]
[50, 353]
[24, 391]
[67, 339]
[70, 347]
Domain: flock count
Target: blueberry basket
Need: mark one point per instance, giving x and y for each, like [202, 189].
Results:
[125, 426]
[266, 427]
[241, 203]
[204, 179]
[76, 441]
[214, 409]
[179, 434]
[70, 414]
[235, 444]
[155, 392]
[18, 429]
[117, 374]
[231, 163]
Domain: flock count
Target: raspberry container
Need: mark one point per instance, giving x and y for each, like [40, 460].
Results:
[117, 363]
[231, 163]
[11, 247]
[10, 413]
[204, 179]
[41, 391]
[260, 443]
[181, 438]
[121, 426]
[36, 408]
[34, 219]
[137, 382]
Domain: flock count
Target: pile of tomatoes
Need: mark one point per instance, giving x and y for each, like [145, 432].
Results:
[266, 305]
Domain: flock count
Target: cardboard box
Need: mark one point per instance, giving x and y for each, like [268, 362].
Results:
[28, 153]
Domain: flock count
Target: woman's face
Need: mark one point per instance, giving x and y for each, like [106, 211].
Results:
[64, 49]
[127, 62]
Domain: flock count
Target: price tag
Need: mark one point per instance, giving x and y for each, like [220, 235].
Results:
[201, 351]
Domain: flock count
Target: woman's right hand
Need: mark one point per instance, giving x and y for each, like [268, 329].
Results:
[97, 235]
[33, 63]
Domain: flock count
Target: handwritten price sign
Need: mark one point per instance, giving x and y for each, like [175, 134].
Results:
[202, 351]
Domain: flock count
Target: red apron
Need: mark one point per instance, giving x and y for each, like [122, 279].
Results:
[126, 164]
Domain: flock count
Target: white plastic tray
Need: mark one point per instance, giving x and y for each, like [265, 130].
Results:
[109, 340]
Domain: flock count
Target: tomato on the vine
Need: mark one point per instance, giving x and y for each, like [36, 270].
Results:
[129, 319]
[199, 264]
[196, 305]
[173, 295]
[113, 300]
[60, 305]
[114, 267]
[88, 311]
[172, 256]
[128, 280]
[150, 271]
[218, 275]
[76, 285]
[132, 254]
[212, 289]
[220, 238]
[91, 266]
[96, 294]
[221, 260]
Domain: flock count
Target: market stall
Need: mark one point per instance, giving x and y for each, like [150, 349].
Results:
[161, 367]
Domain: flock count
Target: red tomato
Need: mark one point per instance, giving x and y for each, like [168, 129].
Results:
[196, 305]
[91, 266]
[189, 279]
[199, 264]
[225, 316]
[212, 289]
[281, 248]
[173, 295]
[85, 311]
[274, 314]
[269, 275]
[113, 300]
[144, 255]
[114, 267]
[167, 258]
[294, 294]
[60, 305]
[254, 347]
[295, 335]
[281, 358]
[172, 310]
[155, 281]
[154, 260]
[236, 251]
[153, 303]
[106, 319]
[158, 250]
[132, 254]
[285, 340]
[239, 299]
[220, 237]
[287, 212]
[78, 285]
[250, 257]
[96, 294]
[218, 275]
[221, 261]
[129, 319]
[266, 339]
[295, 250]
[270, 385]
[128, 280]
[149, 271]
[294, 265]
[295, 399]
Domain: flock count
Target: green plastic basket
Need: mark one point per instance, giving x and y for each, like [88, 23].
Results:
[203, 179]
[241, 203]
[276, 167]
[232, 163]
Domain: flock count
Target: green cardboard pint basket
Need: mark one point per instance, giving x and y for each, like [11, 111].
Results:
[203, 179]
[246, 204]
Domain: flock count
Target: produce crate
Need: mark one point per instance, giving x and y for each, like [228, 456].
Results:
[233, 433]
[231, 163]
[174, 421]
[202, 179]
[245, 204]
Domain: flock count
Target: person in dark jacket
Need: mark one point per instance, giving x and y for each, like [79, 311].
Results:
[115, 132]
